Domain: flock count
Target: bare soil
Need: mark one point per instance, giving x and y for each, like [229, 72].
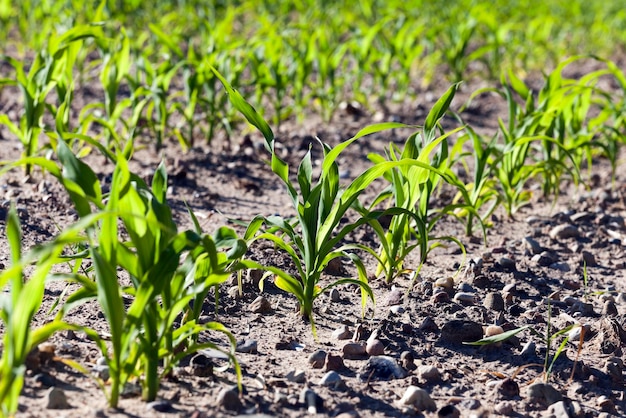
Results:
[227, 181]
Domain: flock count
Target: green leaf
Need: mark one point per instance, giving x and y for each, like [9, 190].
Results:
[247, 111]
[440, 108]
[499, 338]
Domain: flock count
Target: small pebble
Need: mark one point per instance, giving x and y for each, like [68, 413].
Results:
[333, 362]
[393, 297]
[381, 368]
[507, 263]
[260, 305]
[449, 411]
[564, 267]
[56, 399]
[374, 347]
[504, 408]
[609, 308]
[317, 359]
[354, 351]
[296, 376]
[101, 372]
[229, 400]
[342, 333]
[446, 284]
[544, 393]
[585, 309]
[428, 373]
[396, 309]
[201, 365]
[247, 346]
[418, 398]
[159, 406]
[589, 259]
[45, 380]
[532, 245]
[558, 410]
[464, 298]
[529, 350]
[334, 295]
[331, 379]
[508, 388]
[494, 301]
[459, 331]
[543, 259]
[564, 231]
[407, 360]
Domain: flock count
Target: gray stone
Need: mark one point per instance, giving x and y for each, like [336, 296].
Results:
[333, 362]
[494, 301]
[332, 378]
[449, 411]
[342, 333]
[354, 351]
[159, 406]
[464, 298]
[247, 346]
[45, 380]
[564, 231]
[317, 358]
[544, 393]
[229, 400]
[558, 410]
[102, 372]
[260, 305]
[56, 399]
[507, 263]
[428, 373]
[296, 376]
[381, 368]
[458, 331]
[532, 245]
[543, 259]
[504, 408]
[374, 347]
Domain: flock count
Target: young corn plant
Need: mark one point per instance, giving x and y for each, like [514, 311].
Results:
[19, 305]
[49, 69]
[482, 190]
[528, 150]
[549, 337]
[150, 331]
[314, 237]
[159, 327]
[411, 189]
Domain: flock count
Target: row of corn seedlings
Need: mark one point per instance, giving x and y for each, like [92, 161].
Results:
[170, 273]
[289, 61]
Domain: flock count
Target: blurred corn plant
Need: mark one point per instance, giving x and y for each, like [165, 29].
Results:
[23, 283]
[51, 67]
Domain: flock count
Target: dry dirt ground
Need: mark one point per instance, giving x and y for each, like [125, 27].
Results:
[420, 329]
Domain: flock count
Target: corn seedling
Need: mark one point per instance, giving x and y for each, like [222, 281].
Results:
[20, 304]
[482, 190]
[411, 189]
[314, 237]
[549, 337]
